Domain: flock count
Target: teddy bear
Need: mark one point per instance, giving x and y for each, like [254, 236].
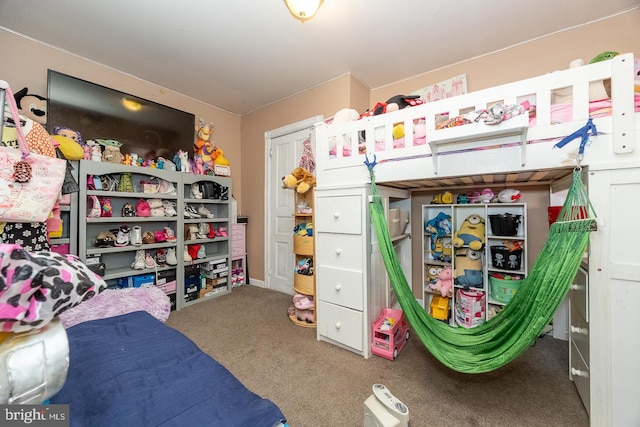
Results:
[444, 282]
[299, 179]
[471, 233]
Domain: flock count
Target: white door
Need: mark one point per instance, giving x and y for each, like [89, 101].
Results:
[284, 148]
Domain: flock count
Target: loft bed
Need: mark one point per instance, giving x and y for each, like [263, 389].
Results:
[524, 142]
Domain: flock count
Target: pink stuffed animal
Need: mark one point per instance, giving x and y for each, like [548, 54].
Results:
[444, 282]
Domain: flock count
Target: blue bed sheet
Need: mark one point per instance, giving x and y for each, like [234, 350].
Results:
[133, 370]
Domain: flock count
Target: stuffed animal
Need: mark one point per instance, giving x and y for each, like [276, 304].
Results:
[69, 148]
[444, 282]
[95, 150]
[300, 179]
[509, 195]
[344, 115]
[598, 89]
[112, 154]
[486, 195]
[468, 268]
[471, 233]
[203, 146]
[395, 103]
[432, 272]
[69, 133]
[31, 106]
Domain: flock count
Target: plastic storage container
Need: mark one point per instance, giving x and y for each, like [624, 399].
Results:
[502, 290]
[505, 224]
[504, 259]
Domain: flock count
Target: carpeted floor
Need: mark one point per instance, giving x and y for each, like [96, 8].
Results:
[317, 384]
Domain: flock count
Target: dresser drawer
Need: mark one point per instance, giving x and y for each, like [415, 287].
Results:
[580, 293]
[341, 287]
[340, 251]
[339, 214]
[340, 324]
[580, 376]
[579, 331]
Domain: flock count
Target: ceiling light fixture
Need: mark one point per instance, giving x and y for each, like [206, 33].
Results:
[303, 10]
[130, 104]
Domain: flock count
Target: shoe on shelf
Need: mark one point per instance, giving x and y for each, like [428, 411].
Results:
[142, 208]
[148, 238]
[190, 212]
[187, 257]
[195, 191]
[138, 262]
[223, 231]
[105, 239]
[193, 232]
[211, 234]
[136, 236]
[160, 258]
[166, 187]
[160, 236]
[201, 252]
[171, 257]
[156, 212]
[169, 208]
[193, 251]
[122, 238]
[149, 262]
[169, 234]
[128, 211]
[204, 212]
[203, 230]
[154, 203]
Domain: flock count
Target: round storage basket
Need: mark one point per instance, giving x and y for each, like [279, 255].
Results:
[504, 259]
[505, 224]
[302, 245]
[303, 284]
[470, 307]
[502, 290]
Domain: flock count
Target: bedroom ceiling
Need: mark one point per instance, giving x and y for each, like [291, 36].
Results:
[244, 54]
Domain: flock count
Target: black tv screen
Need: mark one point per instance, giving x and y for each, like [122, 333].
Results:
[143, 127]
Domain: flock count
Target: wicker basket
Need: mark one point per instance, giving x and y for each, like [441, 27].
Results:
[303, 284]
[302, 245]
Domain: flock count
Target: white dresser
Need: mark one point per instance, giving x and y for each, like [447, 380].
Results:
[351, 292]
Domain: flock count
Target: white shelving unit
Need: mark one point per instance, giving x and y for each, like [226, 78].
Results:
[440, 251]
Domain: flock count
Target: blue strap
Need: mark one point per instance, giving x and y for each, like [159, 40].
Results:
[583, 132]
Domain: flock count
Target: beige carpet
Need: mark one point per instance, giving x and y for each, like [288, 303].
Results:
[318, 384]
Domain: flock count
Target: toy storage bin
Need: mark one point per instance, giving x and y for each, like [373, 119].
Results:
[470, 307]
[439, 307]
[302, 245]
[504, 224]
[504, 259]
[502, 290]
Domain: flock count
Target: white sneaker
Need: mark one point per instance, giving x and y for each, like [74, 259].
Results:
[169, 208]
[204, 212]
[201, 252]
[187, 257]
[138, 262]
[195, 191]
[171, 257]
[189, 212]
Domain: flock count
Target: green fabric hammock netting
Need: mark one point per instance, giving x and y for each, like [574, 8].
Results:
[513, 329]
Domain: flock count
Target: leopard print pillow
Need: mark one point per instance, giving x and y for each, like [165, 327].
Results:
[35, 287]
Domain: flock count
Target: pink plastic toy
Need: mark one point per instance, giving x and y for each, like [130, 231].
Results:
[390, 334]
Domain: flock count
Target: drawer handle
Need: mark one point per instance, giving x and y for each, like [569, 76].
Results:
[338, 251]
[578, 373]
[338, 288]
[336, 215]
[338, 324]
[577, 287]
[577, 330]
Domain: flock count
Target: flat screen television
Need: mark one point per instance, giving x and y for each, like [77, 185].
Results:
[143, 127]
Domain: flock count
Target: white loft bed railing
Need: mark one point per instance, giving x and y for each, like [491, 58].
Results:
[513, 145]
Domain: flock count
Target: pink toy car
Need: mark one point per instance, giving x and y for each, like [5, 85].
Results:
[390, 334]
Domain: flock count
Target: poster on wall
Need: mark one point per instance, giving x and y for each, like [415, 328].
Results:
[446, 89]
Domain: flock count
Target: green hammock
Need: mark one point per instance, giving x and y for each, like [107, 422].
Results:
[513, 329]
